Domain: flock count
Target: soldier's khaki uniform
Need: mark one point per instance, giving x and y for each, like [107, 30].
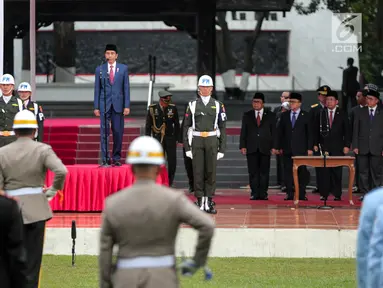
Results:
[7, 114]
[23, 167]
[143, 221]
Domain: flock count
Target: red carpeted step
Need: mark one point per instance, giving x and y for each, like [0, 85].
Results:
[233, 131]
[96, 145]
[96, 138]
[96, 130]
[91, 160]
[278, 200]
[95, 153]
[68, 160]
[60, 137]
[65, 153]
[61, 129]
[63, 144]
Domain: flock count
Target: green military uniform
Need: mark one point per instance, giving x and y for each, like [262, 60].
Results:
[162, 123]
[38, 111]
[7, 114]
[205, 136]
[314, 112]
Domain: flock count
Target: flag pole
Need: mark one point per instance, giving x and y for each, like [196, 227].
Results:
[32, 45]
[2, 35]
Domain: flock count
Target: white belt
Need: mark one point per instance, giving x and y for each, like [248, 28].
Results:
[24, 191]
[146, 262]
[205, 134]
[7, 133]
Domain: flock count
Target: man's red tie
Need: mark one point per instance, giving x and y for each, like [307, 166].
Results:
[111, 75]
[258, 119]
[331, 118]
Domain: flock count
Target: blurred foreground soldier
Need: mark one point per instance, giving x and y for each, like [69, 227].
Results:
[188, 162]
[278, 112]
[9, 106]
[23, 167]
[143, 222]
[314, 113]
[332, 137]
[295, 139]
[12, 254]
[25, 93]
[368, 242]
[367, 142]
[205, 141]
[257, 143]
[162, 123]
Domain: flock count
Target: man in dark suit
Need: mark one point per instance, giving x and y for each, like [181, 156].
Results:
[187, 161]
[332, 137]
[278, 112]
[362, 102]
[12, 253]
[295, 139]
[350, 85]
[367, 141]
[314, 113]
[111, 103]
[258, 142]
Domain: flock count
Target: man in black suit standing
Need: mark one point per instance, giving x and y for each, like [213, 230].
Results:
[362, 103]
[332, 137]
[367, 141]
[350, 85]
[258, 142]
[12, 253]
[295, 139]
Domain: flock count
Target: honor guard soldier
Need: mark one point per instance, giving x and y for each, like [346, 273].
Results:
[162, 123]
[23, 166]
[25, 93]
[143, 221]
[9, 106]
[314, 113]
[205, 141]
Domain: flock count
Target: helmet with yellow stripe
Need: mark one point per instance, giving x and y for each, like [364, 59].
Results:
[25, 120]
[145, 150]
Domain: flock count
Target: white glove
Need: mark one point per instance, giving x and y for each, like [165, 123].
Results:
[189, 154]
[50, 193]
[220, 155]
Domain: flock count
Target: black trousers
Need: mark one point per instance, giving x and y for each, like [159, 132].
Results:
[351, 96]
[258, 166]
[370, 172]
[170, 147]
[189, 169]
[303, 177]
[332, 182]
[34, 242]
[280, 178]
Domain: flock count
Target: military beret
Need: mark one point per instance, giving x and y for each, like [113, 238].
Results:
[259, 95]
[111, 47]
[323, 89]
[164, 93]
[295, 95]
[332, 93]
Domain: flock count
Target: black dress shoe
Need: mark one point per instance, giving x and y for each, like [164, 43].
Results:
[315, 190]
[361, 198]
[253, 197]
[322, 198]
[104, 164]
[337, 199]
[117, 163]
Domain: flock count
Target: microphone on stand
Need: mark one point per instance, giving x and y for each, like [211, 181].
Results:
[73, 235]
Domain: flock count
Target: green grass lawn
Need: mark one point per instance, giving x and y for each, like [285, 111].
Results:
[57, 272]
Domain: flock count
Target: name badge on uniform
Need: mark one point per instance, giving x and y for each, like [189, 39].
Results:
[32, 109]
[15, 105]
[156, 112]
[170, 114]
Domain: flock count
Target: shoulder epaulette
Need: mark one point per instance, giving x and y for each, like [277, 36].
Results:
[152, 105]
[315, 105]
[172, 104]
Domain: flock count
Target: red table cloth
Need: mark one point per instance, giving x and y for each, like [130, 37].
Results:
[87, 186]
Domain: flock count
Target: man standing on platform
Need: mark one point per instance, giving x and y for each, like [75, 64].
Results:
[367, 141]
[350, 85]
[332, 136]
[111, 103]
[143, 221]
[258, 141]
[205, 141]
[9, 106]
[23, 167]
[162, 123]
[295, 139]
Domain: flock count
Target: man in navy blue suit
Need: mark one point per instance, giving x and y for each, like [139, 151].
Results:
[111, 85]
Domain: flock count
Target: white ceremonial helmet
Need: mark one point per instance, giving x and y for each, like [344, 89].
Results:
[145, 150]
[7, 79]
[25, 120]
[24, 87]
[205, 81]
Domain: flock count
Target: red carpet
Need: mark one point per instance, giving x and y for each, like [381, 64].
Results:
[278, 200]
